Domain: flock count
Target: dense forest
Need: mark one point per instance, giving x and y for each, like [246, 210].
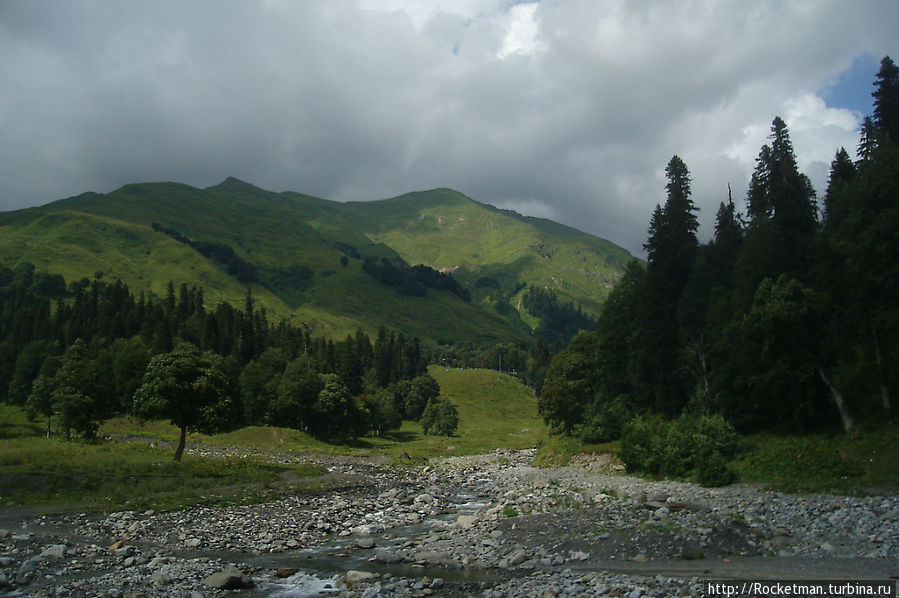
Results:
[786, 320]
[80, 353]
[75, 354]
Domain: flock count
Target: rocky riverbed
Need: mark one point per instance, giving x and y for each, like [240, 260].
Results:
[491, 525]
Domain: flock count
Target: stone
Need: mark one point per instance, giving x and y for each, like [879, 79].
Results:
[29, 565]
[284, 572]
[354, 578]
[365, 543]
[780, 532]
[193, 542]
[116, 546]
[389, 557]
[161, 578]
[577, 555]
[518, 557]
[56, 551]
[229, 579]
[465, 522]
[372, 592]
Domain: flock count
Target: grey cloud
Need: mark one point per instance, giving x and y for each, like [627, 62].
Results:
[352, 102]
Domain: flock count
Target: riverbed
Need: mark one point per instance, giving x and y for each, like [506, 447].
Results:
[489, 525]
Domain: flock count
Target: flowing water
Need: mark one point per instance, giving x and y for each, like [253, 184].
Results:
[321, 567]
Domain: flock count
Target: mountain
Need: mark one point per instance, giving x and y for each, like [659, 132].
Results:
[303, 256]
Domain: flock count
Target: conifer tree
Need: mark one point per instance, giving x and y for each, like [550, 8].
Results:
[886, 102]
[671, 249]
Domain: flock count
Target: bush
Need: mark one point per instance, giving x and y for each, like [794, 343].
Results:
[687, 445]
[604, 421]
[440, 418]
[636, 444]
[713, 470]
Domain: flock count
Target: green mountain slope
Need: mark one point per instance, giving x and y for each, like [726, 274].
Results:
[448, 231]
[308, 253]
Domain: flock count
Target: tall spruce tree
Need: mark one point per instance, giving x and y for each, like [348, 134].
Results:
[886, 102]
[671, 249]
[783, 215]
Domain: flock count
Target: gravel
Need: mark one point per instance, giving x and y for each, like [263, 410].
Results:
[490, 525]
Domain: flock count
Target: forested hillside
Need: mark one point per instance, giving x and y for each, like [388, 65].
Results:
[75, 355]
[329, 267]
[787, 320]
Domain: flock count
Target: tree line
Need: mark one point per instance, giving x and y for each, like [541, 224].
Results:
[80, 353]
[786, 320]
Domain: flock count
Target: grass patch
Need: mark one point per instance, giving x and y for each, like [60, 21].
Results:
[692, 555]
[823, 462]
[14, 424]
[109, 475]
[557, 451]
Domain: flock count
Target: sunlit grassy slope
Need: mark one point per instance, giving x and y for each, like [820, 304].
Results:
[112, 233]
[446, 230]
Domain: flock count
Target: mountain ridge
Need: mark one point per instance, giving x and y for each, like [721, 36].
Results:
[307, 253]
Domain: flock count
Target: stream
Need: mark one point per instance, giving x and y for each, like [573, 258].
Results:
[321, 567]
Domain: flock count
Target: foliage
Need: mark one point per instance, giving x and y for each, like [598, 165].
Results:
[412, 281]
[688, 444]
[558, 321]
[822, 462]
[781, 322]
[440, 417]
[568, 387]
[187, 388]
[220, 252]
[604, 420]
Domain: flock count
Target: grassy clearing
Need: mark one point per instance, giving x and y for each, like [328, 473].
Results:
[108, 475]
[135, 470]
[823, 462]
[814, 463]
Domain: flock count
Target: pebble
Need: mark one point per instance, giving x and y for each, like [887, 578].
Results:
[568, 517]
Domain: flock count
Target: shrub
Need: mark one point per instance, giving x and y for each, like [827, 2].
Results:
[687, 445]
[713, 470]
[636, 444]
[604, 420]
[440, 418]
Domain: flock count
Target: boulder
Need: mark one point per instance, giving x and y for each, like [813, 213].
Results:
[285, 572]
[56, 551]
[229, 579]
[356, 577]
[465, 522]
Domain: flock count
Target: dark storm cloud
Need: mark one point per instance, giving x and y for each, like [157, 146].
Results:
[568, 110]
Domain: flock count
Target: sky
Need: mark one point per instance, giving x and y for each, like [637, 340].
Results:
[563, 109]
